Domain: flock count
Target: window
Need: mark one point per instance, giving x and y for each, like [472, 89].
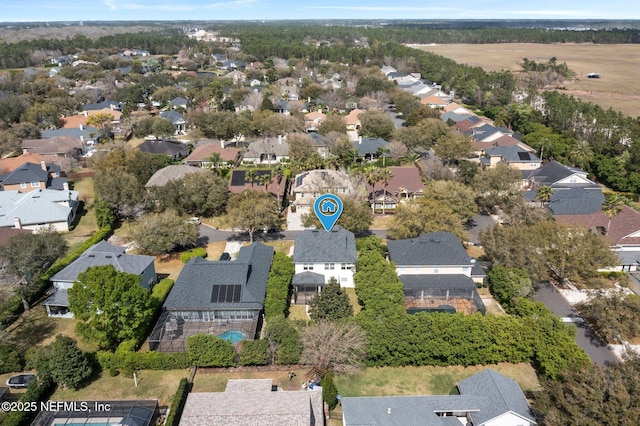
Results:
[307, 266]
[35, 184]
[329, 266]
[345, 266]
[23, 185]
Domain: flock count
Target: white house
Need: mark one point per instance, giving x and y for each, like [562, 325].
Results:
[319, 256]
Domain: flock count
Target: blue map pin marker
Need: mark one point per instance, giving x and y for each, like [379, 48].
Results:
[328, 208]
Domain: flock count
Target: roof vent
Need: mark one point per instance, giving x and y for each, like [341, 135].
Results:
[389, 410]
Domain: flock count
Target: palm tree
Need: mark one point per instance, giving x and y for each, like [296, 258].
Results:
[278, 174]
[385, 176]
[381, 152]
[215, 159]
[411, 157]
[581, 153]
[250, 176]
[612, 206]
[544, 194]
[265, 180]
[372, 176]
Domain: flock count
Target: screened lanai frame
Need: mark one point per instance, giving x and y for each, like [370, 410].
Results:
[173, 328]
[130, 413]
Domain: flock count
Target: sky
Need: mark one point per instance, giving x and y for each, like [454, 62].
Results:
[168, 10]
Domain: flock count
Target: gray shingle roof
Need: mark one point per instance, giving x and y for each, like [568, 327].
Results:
[513, 154]
[101, 254]
[505, 395]
[28, 172]
[162, 147]
[318, 245]
[193, 288]
[174, 116]
[369, 145]
[455, 116]
[103, 105]
[36, 207]
[87, 133]
[484, 396]
[552, 172]
[173, 172]
[319, 140]
[576, 200]
[308, 277]
[437, 281]
[434, 248]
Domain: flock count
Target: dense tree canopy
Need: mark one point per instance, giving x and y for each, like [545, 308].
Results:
[61, 362]
[165, 232]
[197, 194]
[252, 211]
[356, 216]
[110, 306]
[332, 303]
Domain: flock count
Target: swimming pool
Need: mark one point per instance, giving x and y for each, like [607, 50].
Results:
[233, 336]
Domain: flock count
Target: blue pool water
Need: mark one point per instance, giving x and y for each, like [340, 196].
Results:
[233, 336]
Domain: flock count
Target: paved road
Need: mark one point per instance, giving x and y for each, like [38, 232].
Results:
[398, 121]
[592, 344]
[210, 235]
[482, 222]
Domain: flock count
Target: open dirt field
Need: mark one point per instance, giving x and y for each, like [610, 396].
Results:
[618, 87]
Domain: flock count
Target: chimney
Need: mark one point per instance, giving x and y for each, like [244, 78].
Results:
[16, 223]
[65, 186]
[81, 127]
[43, 165]
[359, 140]
[280, 139]
[221, 143]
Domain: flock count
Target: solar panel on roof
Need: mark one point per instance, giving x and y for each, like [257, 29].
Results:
[226, 293]
[524, 156]
[238, 178]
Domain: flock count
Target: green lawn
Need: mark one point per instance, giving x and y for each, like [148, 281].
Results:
[160, 385]
[280, 245]
[205, 381]
[35, 328]
[389, 381]
[85, 223]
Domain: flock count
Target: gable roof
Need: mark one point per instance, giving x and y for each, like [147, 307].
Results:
[455, 117]
[194, 286]
[578, 200]
[101, 254]
[318, 140]
[318, 245]
[172, 115]
[513, 154]
[505, 396]
[102, 105]
[552, 173]
[433, 248]
[172, 172]
[277, 146]
[624, 229]
[27, 172]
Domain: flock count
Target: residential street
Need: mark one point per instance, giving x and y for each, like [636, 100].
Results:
[592, 344]
[210, 235]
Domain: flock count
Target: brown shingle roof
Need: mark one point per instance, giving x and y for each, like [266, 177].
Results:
[205, 151]
[405, 177]
[621, 231]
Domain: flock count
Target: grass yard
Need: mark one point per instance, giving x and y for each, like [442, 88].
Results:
[35, 328]
[85, 223]
[284, 246]
[388, 381]
[216, 382]
[381, 222]
[353, 298]
[298, 312]
[160, 385]
[617, 64]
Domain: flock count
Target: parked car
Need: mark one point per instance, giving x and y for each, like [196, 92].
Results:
[195, 220]
[225, 256]
[20, 380]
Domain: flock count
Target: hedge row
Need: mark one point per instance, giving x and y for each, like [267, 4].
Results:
[196, 252]
[177, 403]
[279, 288]
[132, 361]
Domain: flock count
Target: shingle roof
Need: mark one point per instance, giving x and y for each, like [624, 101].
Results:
[35, 207]
[308, 277]
[102, 254]
[369, 145]
[437, 281]
[238, 183]
[407, 178]
[172, 115]
[86, 133]
[576, 200]
[513, 154]
[207, 148]
[28, 172]
[434, 248]
[319, 140]
[102, 105]
[318, 245]
[552, 172]
[173, 172]
[162, 147]
[55, 145]
[193, 288]
[505, 395]
[623, 229]
[456, 117]
[277, 146]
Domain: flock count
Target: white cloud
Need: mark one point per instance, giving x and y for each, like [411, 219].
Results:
[175, 7]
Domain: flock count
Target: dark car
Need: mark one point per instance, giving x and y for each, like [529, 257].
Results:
[225, 256]
[20, 380]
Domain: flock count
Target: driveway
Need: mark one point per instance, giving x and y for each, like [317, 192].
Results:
[586, 338]
[481, 223]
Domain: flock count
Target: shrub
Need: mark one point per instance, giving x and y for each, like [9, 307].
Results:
[143, 360]
[329, 391]
[177, 403]
[161, 290]
[10, 359]
[254, 352]
[210, 351]
[113, 372]
[37, 392]
[279, 286]
[196, 252]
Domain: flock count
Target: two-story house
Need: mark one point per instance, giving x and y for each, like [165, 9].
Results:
[318, 256]
[437, 273]
[31, 176]
[100, 254]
